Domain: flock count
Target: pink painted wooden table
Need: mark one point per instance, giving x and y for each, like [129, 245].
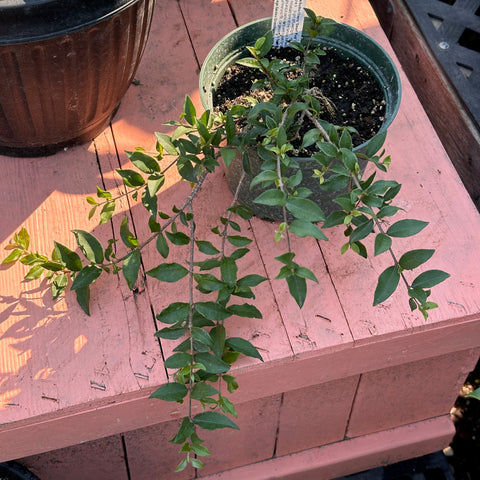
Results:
[344, 386]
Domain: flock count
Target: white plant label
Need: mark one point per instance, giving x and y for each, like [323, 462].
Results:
[287, 21]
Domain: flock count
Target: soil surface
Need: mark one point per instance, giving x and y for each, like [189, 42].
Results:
[353, 93]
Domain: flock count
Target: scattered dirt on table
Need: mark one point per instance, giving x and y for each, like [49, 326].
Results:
[354, 93]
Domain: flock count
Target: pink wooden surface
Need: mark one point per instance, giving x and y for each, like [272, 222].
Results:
[66, 378]
[316, 415]
[350, 456]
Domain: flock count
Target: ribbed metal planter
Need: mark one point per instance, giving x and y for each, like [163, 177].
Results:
[64, 67]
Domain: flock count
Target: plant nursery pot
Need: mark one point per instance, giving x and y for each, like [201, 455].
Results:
[348, 42]
[65, 65]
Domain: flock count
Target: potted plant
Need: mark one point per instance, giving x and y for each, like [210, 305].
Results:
[290, 120]
[65, 67]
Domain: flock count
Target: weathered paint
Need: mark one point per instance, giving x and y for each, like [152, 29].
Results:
[67, 379]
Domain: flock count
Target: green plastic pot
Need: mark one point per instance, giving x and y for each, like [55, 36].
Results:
[348, 42]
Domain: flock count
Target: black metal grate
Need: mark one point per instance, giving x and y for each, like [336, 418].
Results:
[428, 467]
[452, 30]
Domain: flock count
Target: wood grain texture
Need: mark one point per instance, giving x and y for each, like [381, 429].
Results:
[458, 133]
[51, 352]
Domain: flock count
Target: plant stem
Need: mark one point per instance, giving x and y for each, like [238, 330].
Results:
[191, 302]
[229, 214]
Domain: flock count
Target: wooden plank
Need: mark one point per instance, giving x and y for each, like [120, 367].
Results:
[408, 393]
[216, 15]
[337, 335]
[458, 133]
[315, 416]
[350, 456]
[42, 341]
[81, 461]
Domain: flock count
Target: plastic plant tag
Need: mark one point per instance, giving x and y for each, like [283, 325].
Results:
[287, 21]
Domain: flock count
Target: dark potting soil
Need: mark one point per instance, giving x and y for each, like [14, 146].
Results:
[352, 91]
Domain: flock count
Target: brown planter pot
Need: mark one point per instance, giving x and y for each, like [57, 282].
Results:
[65, 65]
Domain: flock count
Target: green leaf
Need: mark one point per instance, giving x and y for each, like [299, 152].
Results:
[239, 241]
[182, 465]
[241, 345]
[154, 183]
[298, 289]
[208, 282]
[58, 285]
[230, 128]
[242, 211]
[69, 258]
[15, 254]
[131, 178]
[212, 311]
[168, 272]
[212, 363]
[217, 334]
[128, 238]
[382, 243]
[150, 203]
[228, 269]
[251, 280]
[89, 245]
[248, 62]
[186, 430]
[162, 245]
[131, 267]
[200, 450]
[228, 155]
[175, 313]
[145, 163]
[206, 247]
[245, 310]
[346, 140]
[310, 138]
[475, 394]
[303, 228]
[406, 228]
[189, 110]
[362, 231]
[103, 193]
[202, 390]
[305, 273]
[266, 176]
[35, 272]
[272, 197]
[171, 333]
[22, 238]
[305, 209]
[227, 406]
[178, 238]
[429, 279]
[200, 335]
[86, 276]
[415, 258]
[375, 144]
[387, 284]
[171, 392]
[178, 360]
[166, 143]
[213, 421]
[83, 298]
[328, 149]
[334, 219]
